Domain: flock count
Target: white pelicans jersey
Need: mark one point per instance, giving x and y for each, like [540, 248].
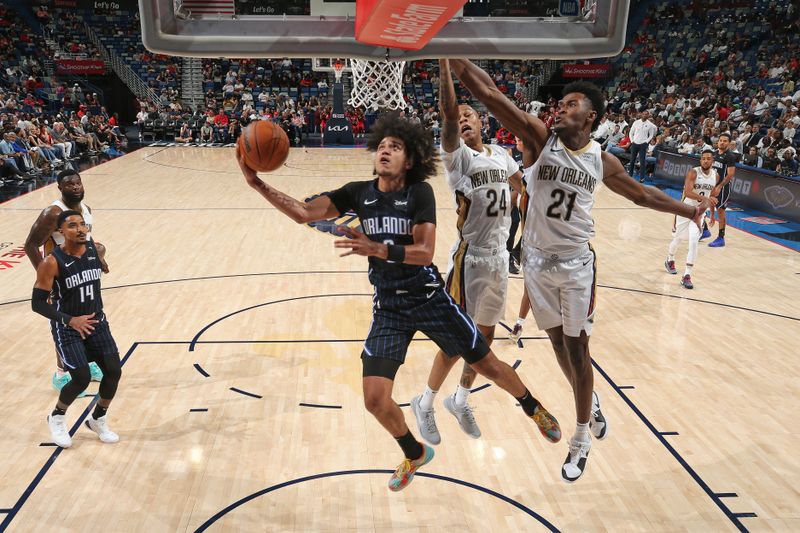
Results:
[479, 181]
[561, 189]
[703, 184]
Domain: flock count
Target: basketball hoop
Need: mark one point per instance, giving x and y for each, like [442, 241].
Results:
[338, 69]
[377, 84]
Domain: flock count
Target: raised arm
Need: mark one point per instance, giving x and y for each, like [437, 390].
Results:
[618, 180]
[530, 129]
[320, 208]
[449, 108]
[42, 228]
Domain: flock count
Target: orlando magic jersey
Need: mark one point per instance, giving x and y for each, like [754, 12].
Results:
[561, 189]
[479, 181]
[722, 162]
[76, 289]
[703, 185]
[389, 217]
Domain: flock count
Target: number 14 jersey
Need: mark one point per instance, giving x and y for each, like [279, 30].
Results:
[479, 181]
[561, 187]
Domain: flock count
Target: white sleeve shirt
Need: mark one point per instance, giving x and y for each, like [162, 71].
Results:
[642, 131]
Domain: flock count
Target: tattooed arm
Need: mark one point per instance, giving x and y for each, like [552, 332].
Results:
[320, 208]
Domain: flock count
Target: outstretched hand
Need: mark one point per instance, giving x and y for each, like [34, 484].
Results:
[357, 243]
[249, 174]
[705, 204]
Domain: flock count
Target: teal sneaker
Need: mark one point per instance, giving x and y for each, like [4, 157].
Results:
[405, 472]
[59, 382]
[97, 374]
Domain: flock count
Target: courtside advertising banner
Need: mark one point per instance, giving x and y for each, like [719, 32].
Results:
[750, 188]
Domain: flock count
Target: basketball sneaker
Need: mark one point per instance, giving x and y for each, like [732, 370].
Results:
[59, 382]
[426, 422]
[405, 472]
[513, 265]
[516, 333]
[686, 281]
[575, 463]
[670, 266]
[706, 234]
[547, 423]
[94, 370]
[100, 426]
[464, 416]
[597, 423]
[58, 430]
[719, 242]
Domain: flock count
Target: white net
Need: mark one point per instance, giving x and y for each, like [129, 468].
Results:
[377, 84]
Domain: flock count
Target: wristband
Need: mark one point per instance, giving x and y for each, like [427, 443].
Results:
[396, 253]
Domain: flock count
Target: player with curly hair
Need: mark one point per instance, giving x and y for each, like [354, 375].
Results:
[397, 211]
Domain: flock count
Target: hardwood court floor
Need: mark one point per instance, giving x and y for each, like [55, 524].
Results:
[259, 425]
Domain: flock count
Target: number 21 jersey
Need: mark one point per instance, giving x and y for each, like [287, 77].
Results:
[561, 189]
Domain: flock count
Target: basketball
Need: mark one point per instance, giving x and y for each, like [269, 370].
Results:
[264, 146]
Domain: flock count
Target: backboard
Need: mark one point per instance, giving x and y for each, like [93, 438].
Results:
[520, 29]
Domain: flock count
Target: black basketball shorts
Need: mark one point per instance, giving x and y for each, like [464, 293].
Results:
[75, 352]
[397, 316]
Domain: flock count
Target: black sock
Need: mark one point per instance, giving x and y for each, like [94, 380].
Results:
[529, 403]
[99, 411]
[58, 412]
[411, 447]
[705, 226]
[722, 233]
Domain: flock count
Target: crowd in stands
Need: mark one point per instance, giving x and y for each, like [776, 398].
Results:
[65, 28]
[38, 135]
[707, 69]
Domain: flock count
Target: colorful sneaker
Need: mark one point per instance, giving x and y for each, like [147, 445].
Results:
[58, 430]
[516, 333]
[686, 281]
[575, 463]
[426, 422]
[719, 242]
[670, 266]
[100, 426]
[597, 423]
[94, 370]
[59, 382]
[405, 472]
[464, 416]
[547, 423]
[706, 234]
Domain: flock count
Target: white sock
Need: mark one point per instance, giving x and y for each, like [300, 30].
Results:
[521, 321]
[426, 402]
[461, 395]
[60, 373]
[581, 433]
[688, 270]
[670, 257]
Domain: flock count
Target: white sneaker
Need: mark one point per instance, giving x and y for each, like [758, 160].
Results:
[575, 463]
[100, 426]
[464, 416]
[516, 333]
[58, 430]
[597, 423]
[426, 422]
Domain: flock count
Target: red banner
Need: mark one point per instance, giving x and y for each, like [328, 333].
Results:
[577, 70]
[401, 24]
[82, 67]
